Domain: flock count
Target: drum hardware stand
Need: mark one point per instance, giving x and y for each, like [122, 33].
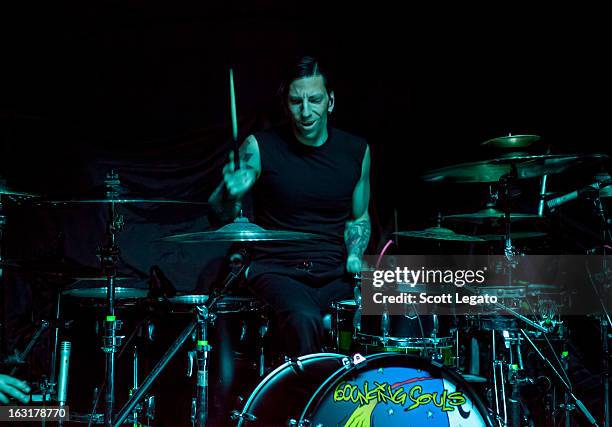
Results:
[604, 320]
[571, 397]
[18, 358]
[509, 250]
[203, 315]
[109, 256]
[3, 348]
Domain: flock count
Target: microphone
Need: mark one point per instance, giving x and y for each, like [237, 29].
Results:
[555, 202]
[62, 382]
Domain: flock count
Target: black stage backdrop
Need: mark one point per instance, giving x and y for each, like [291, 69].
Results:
[142, 89]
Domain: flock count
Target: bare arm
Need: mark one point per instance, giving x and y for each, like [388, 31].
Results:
[227, 197]
[357, 229]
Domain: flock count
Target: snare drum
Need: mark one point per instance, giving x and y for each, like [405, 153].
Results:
[225, 305]
[353, 331]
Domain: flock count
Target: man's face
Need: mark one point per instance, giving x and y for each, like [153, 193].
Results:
[309, 104]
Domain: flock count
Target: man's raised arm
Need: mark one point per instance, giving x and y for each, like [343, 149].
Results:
[227, 197]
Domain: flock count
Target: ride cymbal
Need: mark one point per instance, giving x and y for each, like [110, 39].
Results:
[520, 166]
[438, 233]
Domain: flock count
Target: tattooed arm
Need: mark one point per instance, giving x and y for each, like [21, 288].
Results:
[227, 197]
[357, 230]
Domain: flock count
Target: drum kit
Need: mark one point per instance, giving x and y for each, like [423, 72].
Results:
[381, 370]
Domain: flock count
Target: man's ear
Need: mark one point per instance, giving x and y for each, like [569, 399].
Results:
[332, 99]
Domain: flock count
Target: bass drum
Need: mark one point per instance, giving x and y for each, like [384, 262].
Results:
[385, 390]
[283, 394]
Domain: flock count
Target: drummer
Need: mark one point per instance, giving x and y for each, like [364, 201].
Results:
[310, 177]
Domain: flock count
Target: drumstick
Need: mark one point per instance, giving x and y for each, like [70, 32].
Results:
[234, 121]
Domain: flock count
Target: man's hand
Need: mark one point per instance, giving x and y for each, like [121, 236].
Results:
[12, 387]
[237, 183]
[353, 264]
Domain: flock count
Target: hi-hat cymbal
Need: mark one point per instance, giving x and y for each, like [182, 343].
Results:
[99, 292]
[240, 230]
[490, 214]
[438, 233]
[522, 166]
[511, 141]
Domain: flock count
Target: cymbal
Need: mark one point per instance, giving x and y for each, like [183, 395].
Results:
[511, 141]
[241, 230]
[527, 166]
[125, 200]
[7, 191]
[490, 214]
[516, 235]
[438, 233]
[606, 192]
[99, 292]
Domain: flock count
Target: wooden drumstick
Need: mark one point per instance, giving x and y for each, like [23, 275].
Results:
[234, 121]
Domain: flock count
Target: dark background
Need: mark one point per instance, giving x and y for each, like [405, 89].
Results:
[142, 88]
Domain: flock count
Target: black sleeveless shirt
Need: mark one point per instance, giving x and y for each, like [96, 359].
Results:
[305, 188]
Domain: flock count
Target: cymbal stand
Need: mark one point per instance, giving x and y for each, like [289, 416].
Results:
[509, 250]
[604, 297]
[109, 257]
[571, 397]
[2, 290]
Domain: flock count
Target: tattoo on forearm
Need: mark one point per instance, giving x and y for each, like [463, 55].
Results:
[245, 156]
[357, 236]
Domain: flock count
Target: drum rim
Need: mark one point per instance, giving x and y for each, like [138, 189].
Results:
[266, 380]
[431, 341]
[325, 388]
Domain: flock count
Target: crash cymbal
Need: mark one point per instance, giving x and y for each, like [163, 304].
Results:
[5, 190]
[438, 233]
[241, 230]
[517, 235]
[104, 194]
[524, 166]
[125, 200]
[511, 141]
[490, 214]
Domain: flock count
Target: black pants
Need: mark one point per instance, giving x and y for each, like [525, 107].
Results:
[298, 299]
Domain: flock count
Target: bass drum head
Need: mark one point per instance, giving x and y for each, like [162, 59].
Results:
[388, 390]
[282, 394]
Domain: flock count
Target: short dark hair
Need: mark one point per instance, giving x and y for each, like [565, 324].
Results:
[300, 67]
